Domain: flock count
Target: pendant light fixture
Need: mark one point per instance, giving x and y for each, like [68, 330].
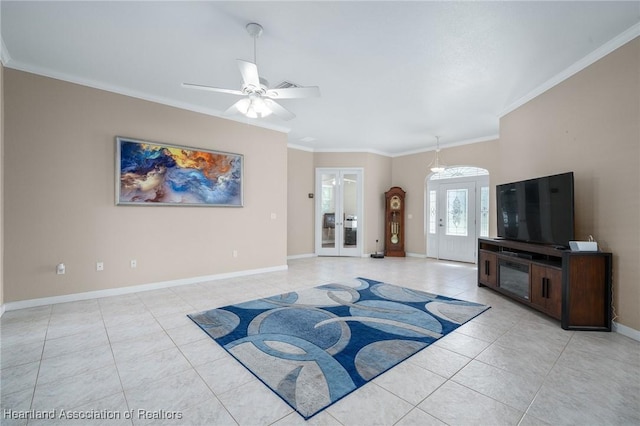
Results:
[437, 167]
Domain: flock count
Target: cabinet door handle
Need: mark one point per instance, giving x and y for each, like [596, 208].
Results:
[486, 267]
[548, 285]
[544, 287]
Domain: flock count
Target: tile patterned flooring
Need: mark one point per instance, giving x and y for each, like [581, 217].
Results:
[509, 366]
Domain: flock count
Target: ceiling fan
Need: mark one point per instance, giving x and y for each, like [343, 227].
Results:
[258, 100]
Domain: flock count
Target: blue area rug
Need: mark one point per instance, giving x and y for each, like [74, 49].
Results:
[315, 346]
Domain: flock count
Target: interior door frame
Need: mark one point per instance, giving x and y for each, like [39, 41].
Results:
[338, 250]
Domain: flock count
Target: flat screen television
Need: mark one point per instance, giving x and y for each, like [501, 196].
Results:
[537, 210]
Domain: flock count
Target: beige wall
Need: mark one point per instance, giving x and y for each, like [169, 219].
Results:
[380, 169]
[380, 174]
[377, 180]
[60, 181]
[59, 192]
[411, 171]
[301, 208]
[589, 124]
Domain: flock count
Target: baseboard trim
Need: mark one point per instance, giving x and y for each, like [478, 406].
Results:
[626, 331]
[301, 256]
[420, 255]
[30, 303]
[407, 254]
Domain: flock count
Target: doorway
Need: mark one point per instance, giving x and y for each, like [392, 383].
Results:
[456, 221]
[457, 209]
[339, 219]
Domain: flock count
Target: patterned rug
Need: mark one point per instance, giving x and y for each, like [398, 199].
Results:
[315, 346]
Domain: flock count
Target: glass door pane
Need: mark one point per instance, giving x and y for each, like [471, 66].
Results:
[328, 209]
[484, 211]
[457, 213]
[338, 222]
[350, 210]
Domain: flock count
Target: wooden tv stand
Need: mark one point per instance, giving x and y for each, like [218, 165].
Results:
[571, 286]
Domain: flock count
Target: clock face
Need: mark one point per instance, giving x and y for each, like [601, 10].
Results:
[394, 203]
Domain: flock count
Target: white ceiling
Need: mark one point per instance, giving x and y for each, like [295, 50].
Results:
[392, 75]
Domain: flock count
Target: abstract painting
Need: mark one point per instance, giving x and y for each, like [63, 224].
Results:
[151, 173]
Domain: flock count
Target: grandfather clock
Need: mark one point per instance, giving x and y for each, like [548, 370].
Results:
[394, 222]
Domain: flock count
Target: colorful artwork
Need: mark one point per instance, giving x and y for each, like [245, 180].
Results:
[150, 173]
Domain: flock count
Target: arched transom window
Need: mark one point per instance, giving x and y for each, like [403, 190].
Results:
[459, 171]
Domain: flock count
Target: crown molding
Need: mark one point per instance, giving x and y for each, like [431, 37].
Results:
[613, 44]
[450, 145]
[336, 150]
[5, 58]
[141, 95]
[488, 138]
[4, 54]
[354, 150]
[299, 147]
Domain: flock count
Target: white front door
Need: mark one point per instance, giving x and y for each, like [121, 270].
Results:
[456, 224]
[339, 212]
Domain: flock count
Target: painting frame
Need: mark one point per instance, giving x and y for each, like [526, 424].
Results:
[152, 173]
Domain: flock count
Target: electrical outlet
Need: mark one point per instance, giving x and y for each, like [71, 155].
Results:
[60, 269]
[134, 264]
[234, 253]
[100, 266]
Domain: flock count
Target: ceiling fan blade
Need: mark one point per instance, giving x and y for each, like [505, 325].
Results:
[294, 92]
[249, 72]
[279, 110]
[212, 89]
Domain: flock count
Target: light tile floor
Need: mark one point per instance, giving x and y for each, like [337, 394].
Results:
[509, 366]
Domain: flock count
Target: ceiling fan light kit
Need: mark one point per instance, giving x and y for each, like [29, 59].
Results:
[258, 101]
[253, 107]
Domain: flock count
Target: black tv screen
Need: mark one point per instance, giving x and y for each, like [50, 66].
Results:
[537, 210]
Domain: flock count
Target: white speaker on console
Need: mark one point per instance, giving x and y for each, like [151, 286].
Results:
[583, 245]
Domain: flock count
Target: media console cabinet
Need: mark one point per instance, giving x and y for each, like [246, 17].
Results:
[571, 286]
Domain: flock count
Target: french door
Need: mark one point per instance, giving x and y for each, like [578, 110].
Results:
[338, 212]
[457, 221]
